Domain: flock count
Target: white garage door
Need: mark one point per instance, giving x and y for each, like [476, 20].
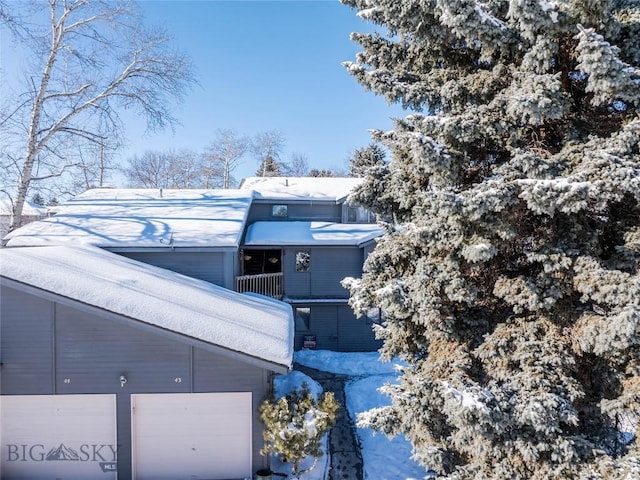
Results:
[65, 437]
[191, 436]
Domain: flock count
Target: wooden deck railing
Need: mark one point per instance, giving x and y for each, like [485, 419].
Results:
[269, 284]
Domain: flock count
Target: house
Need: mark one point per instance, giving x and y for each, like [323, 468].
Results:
[31, 213]
[303, 233]
[193, 232]
[293, 239]
[305, 198]
[114, 368]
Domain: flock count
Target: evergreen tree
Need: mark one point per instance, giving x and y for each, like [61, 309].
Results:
[364, 158]
[510, 278]
[38, 199]
[269, 167]
[322, 172]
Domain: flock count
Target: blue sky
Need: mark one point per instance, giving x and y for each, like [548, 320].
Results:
[268, 65]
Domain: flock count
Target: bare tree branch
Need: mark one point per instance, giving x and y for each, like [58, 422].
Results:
[75, 95]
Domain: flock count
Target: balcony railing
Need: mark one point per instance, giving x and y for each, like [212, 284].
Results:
[269, 284]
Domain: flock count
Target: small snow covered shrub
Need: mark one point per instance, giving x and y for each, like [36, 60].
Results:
[295, 425]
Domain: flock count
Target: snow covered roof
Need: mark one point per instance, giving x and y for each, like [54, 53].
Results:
[143, 218]
[30, 209]
[335, 189]
[310, 233]
[254, 326]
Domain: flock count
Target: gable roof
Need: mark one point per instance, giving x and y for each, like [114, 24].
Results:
[143, 218]
[334, 189]
[247, 324]
[310, 233]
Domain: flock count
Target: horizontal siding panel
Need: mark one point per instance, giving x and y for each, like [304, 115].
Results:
[26, 343]
[329, 266]
[296, 284]
[323, 324]
[92, 353]
[319, 212]
[208, 266]
[217, 373]
[355, 334]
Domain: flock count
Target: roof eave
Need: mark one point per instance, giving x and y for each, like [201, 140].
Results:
[141, 325]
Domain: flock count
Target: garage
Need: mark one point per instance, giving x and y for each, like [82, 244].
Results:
[115, 369]
[65, 437]
[191, 436]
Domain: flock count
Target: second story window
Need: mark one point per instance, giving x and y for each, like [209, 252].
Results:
[303, 261]
[359, 215]
[279, 211]
[352, 215]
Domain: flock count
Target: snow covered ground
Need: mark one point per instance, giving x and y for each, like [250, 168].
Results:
[384, 459]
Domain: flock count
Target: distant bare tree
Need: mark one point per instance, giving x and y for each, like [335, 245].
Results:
[149, 170]
[89, 58]
[267, 147]
[169, 169]
[186, 169]
[298, 166]
[222, 157]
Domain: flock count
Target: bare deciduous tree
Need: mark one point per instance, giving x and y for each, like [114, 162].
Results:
[171, 169]
[267, 147]
[90, 58]
[298, 166]
[222, 157]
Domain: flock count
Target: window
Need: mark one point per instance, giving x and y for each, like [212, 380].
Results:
[352, 215]
[359, 215]
[303, 261]
[302, 318]
[279, 211]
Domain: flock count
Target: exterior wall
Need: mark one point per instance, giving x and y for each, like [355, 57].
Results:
[356, 214]
[214, 267]
[368, 249]
[312, 211]
[296, 284]
[335, 327]
[48, 348]
[355, 334]
[329, 266]
[26, 349]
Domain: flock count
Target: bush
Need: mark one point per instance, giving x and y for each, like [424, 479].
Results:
[295, 425]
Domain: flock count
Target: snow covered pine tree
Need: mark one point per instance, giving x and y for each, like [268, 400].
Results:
[510, 278]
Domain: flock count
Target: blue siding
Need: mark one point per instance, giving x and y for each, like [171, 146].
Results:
[313, 211]
[355, 334]
[26, 343]
[336, 327]
[324, 325]
[89, 353]
[329, 266]
[92, 354]
[214, 267]
[296, 284]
